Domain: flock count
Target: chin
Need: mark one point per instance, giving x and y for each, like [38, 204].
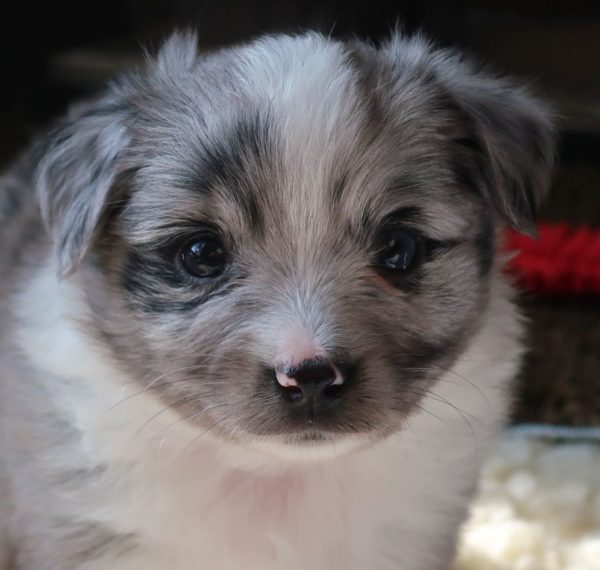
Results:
[311, 446]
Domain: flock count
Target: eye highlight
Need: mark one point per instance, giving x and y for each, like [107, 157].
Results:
[400, 253]
[399, 250]
[203, 256]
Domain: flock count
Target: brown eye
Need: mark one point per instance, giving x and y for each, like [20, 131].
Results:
[204, 256]
[399, 250]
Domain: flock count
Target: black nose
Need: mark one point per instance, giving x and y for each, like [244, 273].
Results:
[312, 383]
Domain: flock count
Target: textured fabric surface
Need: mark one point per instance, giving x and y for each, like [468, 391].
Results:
[561, 260]
[538, 507]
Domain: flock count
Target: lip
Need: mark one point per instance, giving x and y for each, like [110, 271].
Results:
[311, 445]
[316, 437]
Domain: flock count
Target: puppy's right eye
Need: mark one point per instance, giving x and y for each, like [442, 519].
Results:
[399, 251]
[203, 256]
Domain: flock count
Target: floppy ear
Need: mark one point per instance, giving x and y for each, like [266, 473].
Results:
[507, 139]
[511, 143]
[78, 166]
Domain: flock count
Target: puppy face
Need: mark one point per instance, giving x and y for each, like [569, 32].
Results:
[292, 240]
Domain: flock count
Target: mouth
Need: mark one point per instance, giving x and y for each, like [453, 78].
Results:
[311, 445]
[312, 437]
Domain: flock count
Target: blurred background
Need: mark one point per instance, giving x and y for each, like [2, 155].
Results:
[54, 52]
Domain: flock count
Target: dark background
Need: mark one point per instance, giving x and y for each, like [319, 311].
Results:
[55, 52]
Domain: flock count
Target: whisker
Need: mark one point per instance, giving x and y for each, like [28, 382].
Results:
[204, 432]
[191, 416]
[153, 384]
[166, 408]
[462, 414]
[445, 370]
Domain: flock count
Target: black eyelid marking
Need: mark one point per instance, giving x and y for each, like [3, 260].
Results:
[154, 284]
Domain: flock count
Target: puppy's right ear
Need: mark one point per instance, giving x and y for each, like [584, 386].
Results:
[78, 166]
[504, 136]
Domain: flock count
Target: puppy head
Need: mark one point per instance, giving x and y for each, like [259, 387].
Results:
[292, 240]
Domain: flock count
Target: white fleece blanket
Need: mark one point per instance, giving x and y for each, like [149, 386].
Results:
[538, 506]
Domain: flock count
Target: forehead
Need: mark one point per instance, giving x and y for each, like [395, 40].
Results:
[302, 127]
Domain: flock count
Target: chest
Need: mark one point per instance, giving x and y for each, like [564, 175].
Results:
[213, 516]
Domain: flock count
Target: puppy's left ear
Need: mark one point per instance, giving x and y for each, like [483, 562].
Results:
[510, 146]
[76, 176]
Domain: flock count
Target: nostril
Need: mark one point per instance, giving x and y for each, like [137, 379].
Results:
[292, 394]
[313, 373]
[333, 391]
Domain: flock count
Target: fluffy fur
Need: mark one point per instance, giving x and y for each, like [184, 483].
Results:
[141, 424]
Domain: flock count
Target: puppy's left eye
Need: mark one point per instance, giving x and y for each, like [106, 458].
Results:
[399, 250]
[204, 256]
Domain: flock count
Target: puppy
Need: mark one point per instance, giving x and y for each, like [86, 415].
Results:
[252, 310]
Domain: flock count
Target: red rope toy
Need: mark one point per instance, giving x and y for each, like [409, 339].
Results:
[563, 260]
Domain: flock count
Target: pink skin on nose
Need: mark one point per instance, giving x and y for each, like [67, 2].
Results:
[284, 379]
[300, 348]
